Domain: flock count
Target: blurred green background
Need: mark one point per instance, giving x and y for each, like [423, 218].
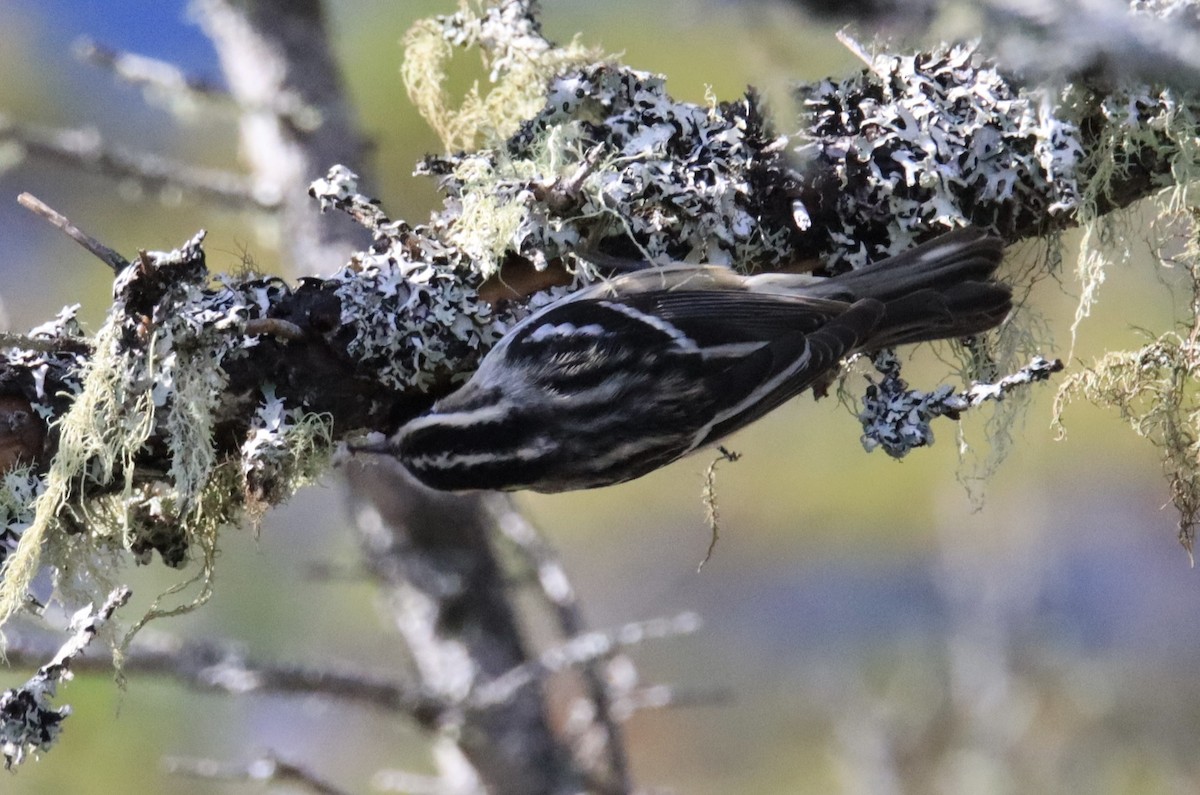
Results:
[872, 631]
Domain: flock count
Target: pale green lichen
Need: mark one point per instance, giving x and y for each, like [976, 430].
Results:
[1154, 389]
[521, 62]
[1140, 123]
[489, 221]
[156, 371]
[195, 385]
[99, 435]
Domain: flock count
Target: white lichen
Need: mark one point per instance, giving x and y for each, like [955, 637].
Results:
[410, 298]
[284, 449]
[29, 723]
[936, 139]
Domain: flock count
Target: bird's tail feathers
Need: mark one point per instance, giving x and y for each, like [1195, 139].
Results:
[939, 290]
[960, 311]
[963, 255]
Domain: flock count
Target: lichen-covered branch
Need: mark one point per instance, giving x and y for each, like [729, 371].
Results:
[28, 724]
[898, 419]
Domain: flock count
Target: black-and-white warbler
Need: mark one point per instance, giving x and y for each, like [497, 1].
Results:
[625, 376]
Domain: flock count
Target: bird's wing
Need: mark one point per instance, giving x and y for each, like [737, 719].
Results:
[757, 350]
[753, 351]
[748, 387]
[713, 317]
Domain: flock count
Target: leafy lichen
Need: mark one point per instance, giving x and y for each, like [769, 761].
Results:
[935, 139]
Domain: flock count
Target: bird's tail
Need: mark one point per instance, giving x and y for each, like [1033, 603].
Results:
[938, 290]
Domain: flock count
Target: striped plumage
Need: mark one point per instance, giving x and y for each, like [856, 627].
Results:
[623, 377]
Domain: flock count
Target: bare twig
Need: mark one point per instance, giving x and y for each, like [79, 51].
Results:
[84, 149]
[556, 587]
[146, 72]
[102, 252]
[267, 769]
[216, 666]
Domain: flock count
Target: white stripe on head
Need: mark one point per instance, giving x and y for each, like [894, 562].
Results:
[457, 419]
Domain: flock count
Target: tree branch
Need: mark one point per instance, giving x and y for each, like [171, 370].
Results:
[84, 149]
[108, 256]
[28, 724]
[267, 769]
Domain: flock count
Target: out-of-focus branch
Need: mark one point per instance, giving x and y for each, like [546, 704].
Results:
[560, 595]
[1104, 41]
[224, 667]
[296, 119]
[268, 769]
[85, 149]
[160, 79]
[451, 603]
[1067, 40]
[579, 651]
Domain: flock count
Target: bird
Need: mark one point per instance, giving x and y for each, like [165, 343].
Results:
[631, 373]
